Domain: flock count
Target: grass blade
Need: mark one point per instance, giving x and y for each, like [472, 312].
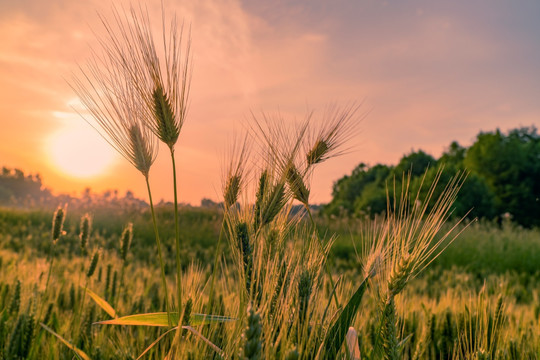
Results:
[203, 319]
[156, 341]
[208, 342]
[102, 303]
[150, 319]
[337, 332]
[81, 354]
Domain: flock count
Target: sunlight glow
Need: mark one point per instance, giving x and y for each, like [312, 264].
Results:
[77, 150]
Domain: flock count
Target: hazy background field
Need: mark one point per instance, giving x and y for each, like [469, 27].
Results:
[502, 259]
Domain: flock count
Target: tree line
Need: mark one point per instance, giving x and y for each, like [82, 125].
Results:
[19, 190]
[503, 179]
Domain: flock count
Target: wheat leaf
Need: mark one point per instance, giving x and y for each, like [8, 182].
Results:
[160, 319]
[102, 303]
[337, 332]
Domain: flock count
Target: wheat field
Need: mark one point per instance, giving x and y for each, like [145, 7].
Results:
[263, 276]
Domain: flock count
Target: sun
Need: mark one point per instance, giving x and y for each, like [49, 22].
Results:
[79, 151]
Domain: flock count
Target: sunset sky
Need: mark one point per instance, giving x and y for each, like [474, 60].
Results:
[428, 73]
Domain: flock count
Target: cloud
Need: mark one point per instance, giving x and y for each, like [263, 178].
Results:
[431, 73]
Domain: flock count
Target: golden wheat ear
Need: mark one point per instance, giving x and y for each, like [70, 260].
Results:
[339, 125]
[167, 130]
[235, 172]
[297, 184]
[413, 237]
[114, 109]
[160, 73]
[142, 153]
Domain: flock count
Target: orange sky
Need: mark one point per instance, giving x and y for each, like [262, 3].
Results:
[430, 72]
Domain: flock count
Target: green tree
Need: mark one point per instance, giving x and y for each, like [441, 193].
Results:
[475, 197]
[347, 189]
[454, 155]
[416, 163]
[510, 165]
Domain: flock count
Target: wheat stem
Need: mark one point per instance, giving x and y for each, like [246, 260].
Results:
[57, 230]
[389, 332]
[51, 255]
[177, 236]
[78, 318]
[158, 243]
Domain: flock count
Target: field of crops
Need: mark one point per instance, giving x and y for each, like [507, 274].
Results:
[393, 268]
[479, 299]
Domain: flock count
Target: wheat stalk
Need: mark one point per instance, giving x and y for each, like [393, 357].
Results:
[105, 87]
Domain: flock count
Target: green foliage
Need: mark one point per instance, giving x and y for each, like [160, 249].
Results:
[416, 163]
[389, 333]
[475, 197]
[347, 190]
[504, 172]
[509, 164]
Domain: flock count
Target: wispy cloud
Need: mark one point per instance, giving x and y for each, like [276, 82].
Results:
[432, 72]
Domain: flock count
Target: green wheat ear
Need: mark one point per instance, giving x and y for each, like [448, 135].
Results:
[232, 189]
[15, 302]
[142, 152]
[58, 223]
[188, 308]
[305, 288]
[339, 125]
[167, 129]
[297, 185]
[273, 205]
[399, 275]
[93, 265]
[259, 197]
[125, 241]
[317, 153]
[242, 238]
[86, 225]
[389, 332]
